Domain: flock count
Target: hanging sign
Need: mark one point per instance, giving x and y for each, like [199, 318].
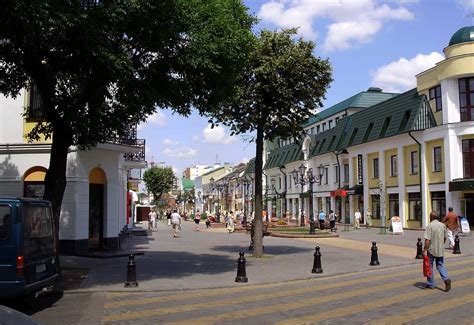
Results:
[360, 176]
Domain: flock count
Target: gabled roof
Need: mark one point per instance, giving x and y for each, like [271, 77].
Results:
[212, 171]
[283, 155]
[364, 99]
[250, 169]
[406, 112]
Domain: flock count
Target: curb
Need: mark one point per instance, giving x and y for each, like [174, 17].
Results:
[287, 235]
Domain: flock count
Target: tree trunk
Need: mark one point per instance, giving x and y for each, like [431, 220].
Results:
[258, 238]
[55, 180]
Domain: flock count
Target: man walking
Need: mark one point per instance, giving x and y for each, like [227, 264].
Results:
[197, 219]
[357, 217]
[176, 222]
[451, 221]
[322, 217]
[435, 236]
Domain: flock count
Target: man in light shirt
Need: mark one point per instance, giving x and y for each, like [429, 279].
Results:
[176, 222]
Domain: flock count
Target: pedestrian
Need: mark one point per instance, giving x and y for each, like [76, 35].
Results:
[435, 236]
[152, 220]
[321, 217]
[451, 222]
[208, 222]
[176, 222]
[168, 217]
[357, 217]
[368, 219]
[197, 219]
[332, 219]
[230, 223]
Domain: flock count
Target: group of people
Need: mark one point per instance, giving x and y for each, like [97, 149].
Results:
[173, 219]
[358, 218]
[331, 218]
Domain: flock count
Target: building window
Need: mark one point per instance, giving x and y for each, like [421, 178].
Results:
[330, 124]
[414, 206]
[312, 130]
[414, 162]
[289, 181]
[346, 172]
[393, 205]
[468, 158]
[328, 205]
[393, 166]
[337, 173]
[353, 135]
[437, 162]
[337, 120]
[435, 94]
[324, 126]
[34, 109]
[317, 129]
[438, 203]
[326, 175]
[375, 206]
[384, 129]
[376, 167]
[466, 99]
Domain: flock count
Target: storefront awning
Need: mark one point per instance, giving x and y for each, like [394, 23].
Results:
[461, 184]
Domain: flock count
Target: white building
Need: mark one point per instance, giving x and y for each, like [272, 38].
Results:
[94, 208]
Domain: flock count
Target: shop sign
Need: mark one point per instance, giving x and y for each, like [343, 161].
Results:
[360, 176]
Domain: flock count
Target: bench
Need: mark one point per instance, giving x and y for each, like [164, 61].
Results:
[327, 226]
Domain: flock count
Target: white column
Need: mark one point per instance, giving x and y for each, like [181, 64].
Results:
[450, 101]
[453, 167]
[401, 186]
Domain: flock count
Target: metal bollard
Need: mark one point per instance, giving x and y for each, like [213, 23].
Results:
[317, 261]
[419, 250]
[374, 258]
[131, 273]
[457, 248]
[312, 227]
[241, 273]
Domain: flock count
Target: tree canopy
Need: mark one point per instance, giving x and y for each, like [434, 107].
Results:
[158, 180]
[281, 85]
[100, 65]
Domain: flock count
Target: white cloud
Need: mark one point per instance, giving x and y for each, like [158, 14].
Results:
[176, 171]
[399, 75]
[468, 4]
[196, 138]
[352, 21]
[169, 142]
[217, 135]
[182, 152]
[157, 119]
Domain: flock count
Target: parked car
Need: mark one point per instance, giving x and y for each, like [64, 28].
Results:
[28, 259]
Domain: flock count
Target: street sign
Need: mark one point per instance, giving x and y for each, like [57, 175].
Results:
[360, 175]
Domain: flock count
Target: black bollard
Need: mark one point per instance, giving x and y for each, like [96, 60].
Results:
[317, 261]
[131, 273]
[457, 248]
[374, 258]
[241, 273]
[419, 250]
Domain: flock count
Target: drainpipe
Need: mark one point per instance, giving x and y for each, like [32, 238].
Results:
[420, 174]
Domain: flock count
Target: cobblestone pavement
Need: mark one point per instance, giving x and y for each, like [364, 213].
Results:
[383, 296]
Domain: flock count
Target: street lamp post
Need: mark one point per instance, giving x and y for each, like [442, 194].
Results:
[302, 176]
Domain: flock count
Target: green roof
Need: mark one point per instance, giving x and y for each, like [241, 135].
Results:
[463, 35]
[250, 168]
[188, 184]
[364, 99]
[406, 112]
[284, 155]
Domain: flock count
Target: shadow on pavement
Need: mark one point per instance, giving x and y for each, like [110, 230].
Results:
[30, 305]
[268, 250]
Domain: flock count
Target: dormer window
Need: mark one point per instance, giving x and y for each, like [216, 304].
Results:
[466, 99]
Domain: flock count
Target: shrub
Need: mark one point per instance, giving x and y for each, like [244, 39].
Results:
[282, 222]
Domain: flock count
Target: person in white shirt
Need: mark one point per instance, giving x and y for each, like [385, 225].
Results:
[357, 217]
[176, 222]
[152, 220]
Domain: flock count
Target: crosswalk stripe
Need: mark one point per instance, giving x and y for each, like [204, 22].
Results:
[304, 303]
[273, 295]
[418, 313]
[216, 292]
[365, 306]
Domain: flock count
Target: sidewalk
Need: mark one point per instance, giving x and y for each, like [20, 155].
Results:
[208, 258]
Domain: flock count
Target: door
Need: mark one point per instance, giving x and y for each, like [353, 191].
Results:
[467, 208]
[96, 216]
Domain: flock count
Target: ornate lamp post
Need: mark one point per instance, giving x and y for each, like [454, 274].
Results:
[303, 177]
[213, 187]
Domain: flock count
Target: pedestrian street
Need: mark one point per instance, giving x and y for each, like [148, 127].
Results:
[393, 295]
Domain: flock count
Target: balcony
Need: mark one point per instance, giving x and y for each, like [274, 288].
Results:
[129, 138]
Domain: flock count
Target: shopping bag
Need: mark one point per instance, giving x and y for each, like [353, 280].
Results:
[426, 266]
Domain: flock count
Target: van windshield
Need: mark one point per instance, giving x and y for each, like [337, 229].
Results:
[5, 222]
[39, 230]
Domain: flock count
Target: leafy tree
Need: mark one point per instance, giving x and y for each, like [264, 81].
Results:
[282, 83]
[158, 180]
[100, 65]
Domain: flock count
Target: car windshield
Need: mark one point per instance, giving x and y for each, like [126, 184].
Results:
[5, 222]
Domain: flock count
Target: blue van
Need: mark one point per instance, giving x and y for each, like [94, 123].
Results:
[28, 260]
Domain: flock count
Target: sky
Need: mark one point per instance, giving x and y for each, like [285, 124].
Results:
[368, 42]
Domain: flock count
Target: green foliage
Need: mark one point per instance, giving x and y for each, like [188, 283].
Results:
[158, 180]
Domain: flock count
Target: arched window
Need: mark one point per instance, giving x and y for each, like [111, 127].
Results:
[33, 182]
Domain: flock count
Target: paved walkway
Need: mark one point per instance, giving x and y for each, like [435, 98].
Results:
[208, 258]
